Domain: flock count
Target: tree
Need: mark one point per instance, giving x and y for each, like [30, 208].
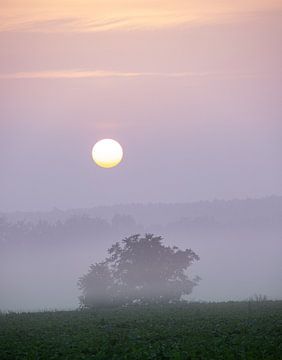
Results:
[139, 269]
[97, 286]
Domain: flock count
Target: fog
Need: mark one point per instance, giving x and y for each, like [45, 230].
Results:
[192, 92]
[239, 242]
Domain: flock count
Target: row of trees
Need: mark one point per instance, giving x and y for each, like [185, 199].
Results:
[76, 227]
[138, 270]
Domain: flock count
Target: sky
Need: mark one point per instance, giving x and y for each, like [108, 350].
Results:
[191, 90]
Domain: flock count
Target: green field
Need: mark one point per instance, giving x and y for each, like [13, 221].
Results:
[233, 330]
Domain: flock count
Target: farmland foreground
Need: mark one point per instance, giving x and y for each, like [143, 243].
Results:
[195, 331]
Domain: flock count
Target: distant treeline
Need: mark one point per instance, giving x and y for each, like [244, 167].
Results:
[148, 214]
[114, 222]
[76, 228]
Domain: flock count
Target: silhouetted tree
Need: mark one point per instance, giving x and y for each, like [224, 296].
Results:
[139, 269]
[97, 285]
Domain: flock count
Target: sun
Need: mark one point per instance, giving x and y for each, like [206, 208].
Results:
[107, 153]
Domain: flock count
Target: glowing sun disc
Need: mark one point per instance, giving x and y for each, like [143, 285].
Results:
[107, 153]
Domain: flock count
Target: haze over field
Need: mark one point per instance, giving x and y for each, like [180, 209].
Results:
[192, 92]
[239, 243]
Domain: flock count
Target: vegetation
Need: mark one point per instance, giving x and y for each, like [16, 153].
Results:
[195, 331]
[139, 269]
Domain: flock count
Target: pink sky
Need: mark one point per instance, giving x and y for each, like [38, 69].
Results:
[191, 89]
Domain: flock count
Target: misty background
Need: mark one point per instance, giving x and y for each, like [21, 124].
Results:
[191, 90]
[42, 254]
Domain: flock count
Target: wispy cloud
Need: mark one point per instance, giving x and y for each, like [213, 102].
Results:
[80, 74]
[68, 74]
[104, 15]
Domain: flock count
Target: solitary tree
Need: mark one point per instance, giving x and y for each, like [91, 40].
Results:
[139, 269]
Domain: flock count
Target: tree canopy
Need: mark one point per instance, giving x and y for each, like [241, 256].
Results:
[138, 269]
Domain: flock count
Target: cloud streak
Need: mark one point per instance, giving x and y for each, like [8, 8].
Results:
[96, 15]
[84, 74]
[69, 74]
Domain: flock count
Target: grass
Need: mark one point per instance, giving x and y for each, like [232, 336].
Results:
[227, 331]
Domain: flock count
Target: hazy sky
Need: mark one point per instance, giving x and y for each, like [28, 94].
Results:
[191, 89]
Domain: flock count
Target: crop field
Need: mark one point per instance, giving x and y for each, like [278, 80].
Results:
[195, 331]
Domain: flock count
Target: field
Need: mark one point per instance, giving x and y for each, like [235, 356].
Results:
[227, 331]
